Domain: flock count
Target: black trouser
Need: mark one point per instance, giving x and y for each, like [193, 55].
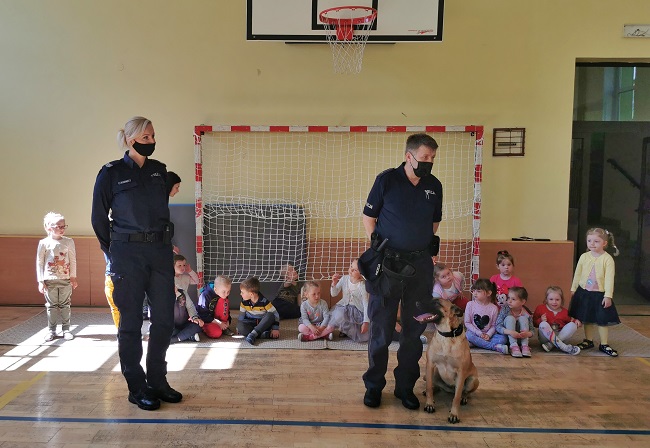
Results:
[286, 310]
[383, 316]
[139, 268]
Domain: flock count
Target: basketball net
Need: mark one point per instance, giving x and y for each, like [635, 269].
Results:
[347, 29]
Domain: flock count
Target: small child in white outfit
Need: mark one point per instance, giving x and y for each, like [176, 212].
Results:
[350, 314]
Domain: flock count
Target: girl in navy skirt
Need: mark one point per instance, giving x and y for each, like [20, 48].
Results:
[593, 288]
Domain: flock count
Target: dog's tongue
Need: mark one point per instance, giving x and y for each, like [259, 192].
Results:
[424, 317]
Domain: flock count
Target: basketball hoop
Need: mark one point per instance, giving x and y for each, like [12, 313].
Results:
[347, 29]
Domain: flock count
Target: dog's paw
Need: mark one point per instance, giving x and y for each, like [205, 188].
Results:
[453, 418]
[430, 408]
[463, 401]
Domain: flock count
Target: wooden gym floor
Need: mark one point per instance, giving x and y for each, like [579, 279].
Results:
[313, 398]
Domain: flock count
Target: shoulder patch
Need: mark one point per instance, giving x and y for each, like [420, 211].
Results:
[113, 163]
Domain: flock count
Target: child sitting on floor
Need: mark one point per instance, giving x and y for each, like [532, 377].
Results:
[286, 300]
[480, 318]
[214, 307]
[314, 314]
[350, 314]
[448, 285]
[515, 321]
[258, 318]
[555, 325]
[187, 323]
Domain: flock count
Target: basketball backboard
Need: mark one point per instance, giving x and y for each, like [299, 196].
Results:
[296, 21]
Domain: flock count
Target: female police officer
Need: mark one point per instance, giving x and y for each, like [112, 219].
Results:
[403, 210]
[130, 216]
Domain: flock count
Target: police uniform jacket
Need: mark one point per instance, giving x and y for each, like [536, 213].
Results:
[136, 198]
[405, 212]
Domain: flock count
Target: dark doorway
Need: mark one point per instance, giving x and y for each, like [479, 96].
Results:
[610, 179]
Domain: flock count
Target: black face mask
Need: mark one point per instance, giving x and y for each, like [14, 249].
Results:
[423, 168]
[144, 149]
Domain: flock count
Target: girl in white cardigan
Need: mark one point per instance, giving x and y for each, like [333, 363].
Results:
[350, 315]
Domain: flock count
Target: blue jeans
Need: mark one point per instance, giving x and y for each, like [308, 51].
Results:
[490, 344]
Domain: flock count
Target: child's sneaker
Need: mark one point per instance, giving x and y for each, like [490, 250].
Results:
[301, 337]
[330, 336]
[251, 338]
[547, 347]
[266, 335]
[502, 348]
[50, 336]
[228, 332]
[67, 335]
[573, 350]
[197, 338]
[525, 351]
[515, 351]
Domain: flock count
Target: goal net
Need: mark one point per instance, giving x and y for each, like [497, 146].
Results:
[271, 195]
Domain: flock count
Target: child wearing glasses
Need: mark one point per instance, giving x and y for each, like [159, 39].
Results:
[56, 273]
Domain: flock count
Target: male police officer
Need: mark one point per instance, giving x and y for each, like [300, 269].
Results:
[404, 207]
[136, 240]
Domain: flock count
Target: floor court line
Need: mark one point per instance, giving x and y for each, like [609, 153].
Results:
[644, 361]
[19, 389]
[451, 428]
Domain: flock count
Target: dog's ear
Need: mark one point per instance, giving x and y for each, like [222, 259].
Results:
[457, 311]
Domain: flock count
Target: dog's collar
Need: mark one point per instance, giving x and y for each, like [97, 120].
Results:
[453, 333]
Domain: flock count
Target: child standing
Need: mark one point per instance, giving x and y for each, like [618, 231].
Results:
[480, 318]
[505, 279]
[187, 323]
[515, 321]
[56, 273]
[214, 307]
[258, 318]
[286, 300]
[449, 285]
[350, 314]
[593, 288]
[555, 325]
[314, 314]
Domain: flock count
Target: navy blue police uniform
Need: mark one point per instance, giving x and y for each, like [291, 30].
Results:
[135, 240]
[405, 216]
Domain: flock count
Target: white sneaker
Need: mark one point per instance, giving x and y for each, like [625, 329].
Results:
[330, 336]
[301, 337]
[197, 338]
[574, 350]
[50, 336]
[547, 346]
[68, 336]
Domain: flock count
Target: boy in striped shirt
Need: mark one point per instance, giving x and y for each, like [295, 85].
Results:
[258, 318]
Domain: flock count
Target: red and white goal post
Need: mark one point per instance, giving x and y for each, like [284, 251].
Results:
[271, 195]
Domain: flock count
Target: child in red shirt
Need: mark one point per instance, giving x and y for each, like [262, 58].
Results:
[214, 308]
[505, 279]
[555, 325]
